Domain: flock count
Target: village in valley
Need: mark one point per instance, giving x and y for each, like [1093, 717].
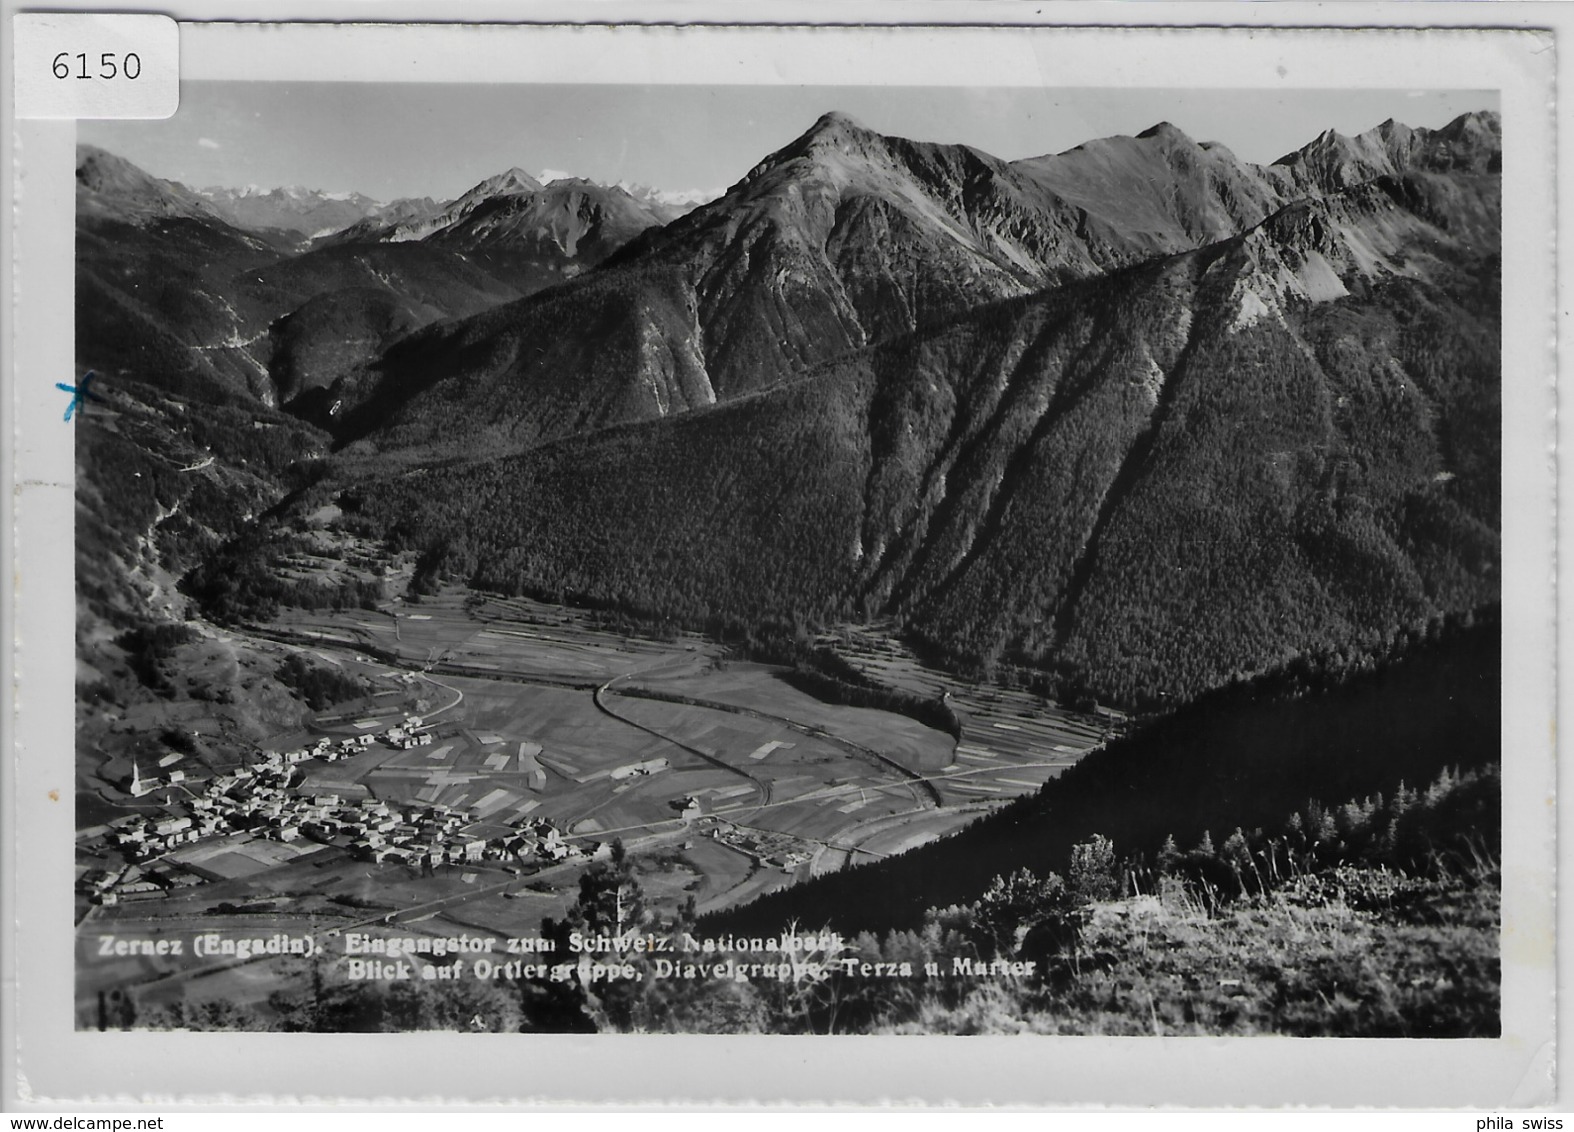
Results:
[498, 747]
[262, 799]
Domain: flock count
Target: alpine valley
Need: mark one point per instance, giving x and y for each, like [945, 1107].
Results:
[925, 473]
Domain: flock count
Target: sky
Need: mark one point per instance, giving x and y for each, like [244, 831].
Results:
[421, 139]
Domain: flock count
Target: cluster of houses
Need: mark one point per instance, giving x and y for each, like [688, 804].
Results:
[429, 835]
[407, 737]
[537, 837]
[271, 763]
[260, 799]
[256, 797]
[403, 736]
[141, 836]
[767, 851]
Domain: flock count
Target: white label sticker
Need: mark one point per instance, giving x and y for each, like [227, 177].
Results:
[95, 65]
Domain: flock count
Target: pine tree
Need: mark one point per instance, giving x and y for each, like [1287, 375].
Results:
[1169, 855]
[1238, 856]
[1093, 869]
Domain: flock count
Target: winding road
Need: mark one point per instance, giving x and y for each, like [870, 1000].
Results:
[763, 786]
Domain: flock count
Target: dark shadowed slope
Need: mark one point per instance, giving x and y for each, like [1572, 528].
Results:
[1244, 757]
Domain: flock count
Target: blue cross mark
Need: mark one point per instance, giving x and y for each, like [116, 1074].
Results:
[79, 393]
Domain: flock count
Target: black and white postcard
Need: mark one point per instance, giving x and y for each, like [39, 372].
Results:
[816, 534]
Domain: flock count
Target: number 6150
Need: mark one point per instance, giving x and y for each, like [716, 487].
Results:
[129, 65]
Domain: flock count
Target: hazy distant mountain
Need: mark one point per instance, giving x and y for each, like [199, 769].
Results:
[307, 212]
[1150, 480]
[666, 203]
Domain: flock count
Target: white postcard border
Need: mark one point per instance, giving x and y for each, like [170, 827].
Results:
[58, 1064]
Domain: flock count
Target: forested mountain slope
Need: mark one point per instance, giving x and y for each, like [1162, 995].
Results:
[1153, 481]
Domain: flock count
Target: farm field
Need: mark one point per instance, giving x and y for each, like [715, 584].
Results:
[756, 687]
[1003, 722]
[998, 757]
[493, 637]
[722, 780]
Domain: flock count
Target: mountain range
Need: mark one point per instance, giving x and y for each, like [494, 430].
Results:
[845, 238]
[229, 286]
[313, 214]
[1140, 416]
[302, 212]
[572, 217]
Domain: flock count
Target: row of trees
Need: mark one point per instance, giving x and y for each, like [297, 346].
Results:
[829, 677]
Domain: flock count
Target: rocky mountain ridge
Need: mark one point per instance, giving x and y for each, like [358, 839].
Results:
[845, 238]
[578, 220]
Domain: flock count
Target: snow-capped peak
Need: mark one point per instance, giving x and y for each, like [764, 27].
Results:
[673, 198]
